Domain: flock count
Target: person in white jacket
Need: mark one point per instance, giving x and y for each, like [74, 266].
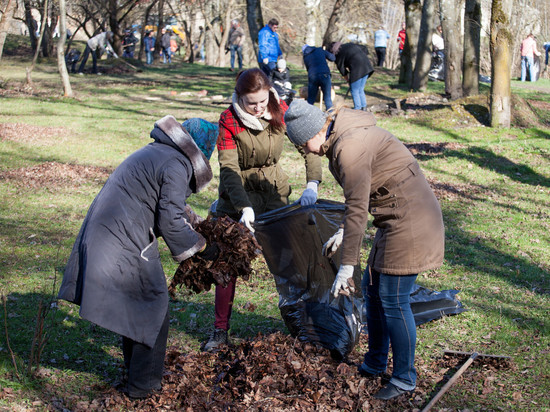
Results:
[100, 42]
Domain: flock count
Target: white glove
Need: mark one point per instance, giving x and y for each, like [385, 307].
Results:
[266, 60]
[309, 196]
[333, 243]
[247, 218]
[288, 85]
[343, 284]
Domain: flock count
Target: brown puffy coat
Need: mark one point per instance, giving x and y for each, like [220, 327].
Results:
[381, 177]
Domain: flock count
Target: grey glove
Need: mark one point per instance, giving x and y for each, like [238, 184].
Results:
[343, 284]
[332, 245]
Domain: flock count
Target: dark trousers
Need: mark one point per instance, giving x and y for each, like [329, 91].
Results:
[320, 81]
[87, 52]
[145, 365]
[380, 55]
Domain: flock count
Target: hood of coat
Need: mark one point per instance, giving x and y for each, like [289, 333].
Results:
[346, 120]
[307, 50]
[169, 131]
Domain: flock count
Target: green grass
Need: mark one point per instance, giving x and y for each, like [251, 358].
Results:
[493, 186]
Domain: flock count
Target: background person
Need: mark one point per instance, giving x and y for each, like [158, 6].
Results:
[252, 181]
[129, 44]
[528, 53]
[235, 43]
[268, 46]
[149, 46]
[99, 43]
[401, 36]
[318, 73]
[165, 45]
[380, 176]
[355, 66]
[381, 37]
[114, 271]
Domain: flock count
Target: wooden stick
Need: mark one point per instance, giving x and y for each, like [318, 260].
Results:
[451, 381]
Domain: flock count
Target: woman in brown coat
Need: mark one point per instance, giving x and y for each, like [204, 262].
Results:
[380, 176]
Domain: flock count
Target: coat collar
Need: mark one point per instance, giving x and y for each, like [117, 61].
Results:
[183, 140]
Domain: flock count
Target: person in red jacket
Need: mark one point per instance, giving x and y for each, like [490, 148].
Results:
[401, 37]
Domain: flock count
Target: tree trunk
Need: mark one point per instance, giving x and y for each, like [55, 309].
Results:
[472, 29]
[450, 23]
[332, 32]
[424, 54]
[158, 46]
[501, 57]
[42, 26]
[255, 22]
[5, 22]
[143, 24]
[31, 24]
[312, 9]
[413, 17]
[62, 67]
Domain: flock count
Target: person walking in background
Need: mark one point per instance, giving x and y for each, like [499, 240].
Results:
[165, 44]
[96, 44]
[355, 66]
[401, 36]
[438, 44]
[318, 73]
[114, 272]
[381, 37]
[268, 46]
[252, 181]
[149, 46]
[129, 44]
[378, 174]
[235, 43]
[528, 53]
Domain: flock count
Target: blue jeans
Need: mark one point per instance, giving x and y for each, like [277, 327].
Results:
[149, 55]
[358, 93]
[527, 63]
[239, 50]
[321, 80]
[268, 68]
[167, 54]
[390, 320]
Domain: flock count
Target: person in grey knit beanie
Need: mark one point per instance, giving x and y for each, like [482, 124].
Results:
[303, 121]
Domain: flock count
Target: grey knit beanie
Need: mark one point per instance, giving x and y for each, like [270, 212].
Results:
[303, 121]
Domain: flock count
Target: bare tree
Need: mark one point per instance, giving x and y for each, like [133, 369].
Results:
[472, 30]
[413, 17]
[501, 57]
[450, 23]
[333, 28]
[42, 27]
[62, 67]
[424, 54]
[255, 21]
[5, 21]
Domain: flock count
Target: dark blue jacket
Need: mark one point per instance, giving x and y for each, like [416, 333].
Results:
[315, 59]
[352, 61]
[114, 271]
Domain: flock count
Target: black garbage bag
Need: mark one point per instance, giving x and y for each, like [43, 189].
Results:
[292, 238]
[428, 305]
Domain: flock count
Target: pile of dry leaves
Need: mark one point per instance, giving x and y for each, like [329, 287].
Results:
[237, 249]
[277, 372]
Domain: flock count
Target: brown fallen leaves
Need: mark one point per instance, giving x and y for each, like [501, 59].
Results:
[238, 248]
[277, 372]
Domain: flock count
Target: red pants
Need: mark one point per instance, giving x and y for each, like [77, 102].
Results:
[223, 305]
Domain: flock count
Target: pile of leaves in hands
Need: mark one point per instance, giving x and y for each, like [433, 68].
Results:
[237, 249]
[277, 372]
